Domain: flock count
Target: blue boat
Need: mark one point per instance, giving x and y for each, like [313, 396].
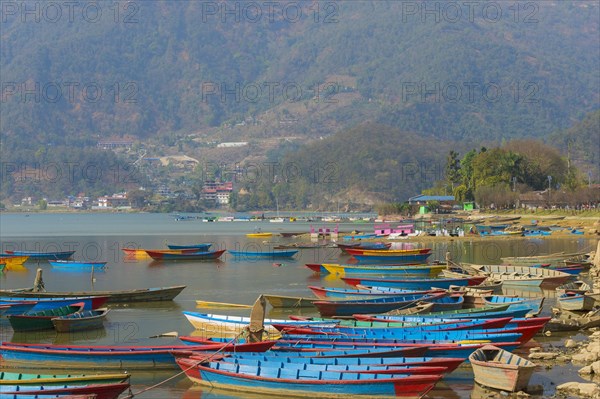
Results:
[275, 254]
[349, 293]
[415, 284]
[480, 315]
[399, 259]
[202, 247]
[42, 255]
[387, 369]
[515, 303]
[308, 358]
[453, 302]
[43, 303]
[295, 382]
[447, 349]
[73, 264]
[376, 305]
[423, 336]
[359, 236]
[44, 356]
[13, 308]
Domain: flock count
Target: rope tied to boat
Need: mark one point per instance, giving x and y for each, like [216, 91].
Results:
[183, 371]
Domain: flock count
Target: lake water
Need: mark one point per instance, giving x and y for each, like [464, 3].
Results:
[230, 279]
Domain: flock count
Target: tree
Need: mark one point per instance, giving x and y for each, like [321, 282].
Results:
[466, 172]
[42, 205]
[452, 168]
[138, 198]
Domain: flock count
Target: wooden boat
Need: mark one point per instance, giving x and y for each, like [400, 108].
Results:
[377, 305]
[96, 391]
[43, 255]
[399, 259]
[263, 254]
[373, 369]
[576, 287]
[401, 334]
[137, 253]
[210, 255]
[274, 381]
[364, 245]
[80, 357]
[417, 323]
[537, 259]
[523, 275]
[302, 358]
[42, 320]
[446, 303]
[228, 345]
[364, 292]
[15, 307]
[23, 379]
[535, 304]
[126, 296]
[220, 305]
[13, 261]
[420, 270]
[415, 284]
[292, 234]
[81, 321]
[202, 247]
[499, 369]
[480, 313]
[89, 302]
[73, 264]
[379, 348]
[494, 286]
[359, 236]
[223, 324]
[143, 253]
[576, 302]
[287, 302]
[259, 235]
[387, 252]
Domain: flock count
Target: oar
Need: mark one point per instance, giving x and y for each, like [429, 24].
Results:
[220, 305]
[167, 334]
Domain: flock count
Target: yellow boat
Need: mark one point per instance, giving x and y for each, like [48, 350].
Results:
[258, 235]
[13, 261]
[424, 271]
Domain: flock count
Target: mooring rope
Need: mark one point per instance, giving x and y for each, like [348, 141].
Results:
[132, 394]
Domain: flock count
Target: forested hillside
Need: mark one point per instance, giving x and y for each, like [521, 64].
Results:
[148, 68]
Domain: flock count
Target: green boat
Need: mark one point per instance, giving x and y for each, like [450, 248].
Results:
[7, 378]
[2, 267]
[42, 320]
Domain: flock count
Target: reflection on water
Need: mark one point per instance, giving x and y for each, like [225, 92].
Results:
[101, 237]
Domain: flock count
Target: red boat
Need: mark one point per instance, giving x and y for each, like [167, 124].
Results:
[162, 255]
[361, 251]
[230, 346]
[97, 391]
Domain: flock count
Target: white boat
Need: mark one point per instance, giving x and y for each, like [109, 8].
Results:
[217, 324]
[523, 275]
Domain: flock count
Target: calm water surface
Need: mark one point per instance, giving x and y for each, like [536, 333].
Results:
[230, 279]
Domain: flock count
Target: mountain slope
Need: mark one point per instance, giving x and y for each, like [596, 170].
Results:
[178, 67]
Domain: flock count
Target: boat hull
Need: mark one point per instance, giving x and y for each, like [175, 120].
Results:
[156, 255]
[137, 295]
[284, 387]
[415, 284]
[81, 321]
